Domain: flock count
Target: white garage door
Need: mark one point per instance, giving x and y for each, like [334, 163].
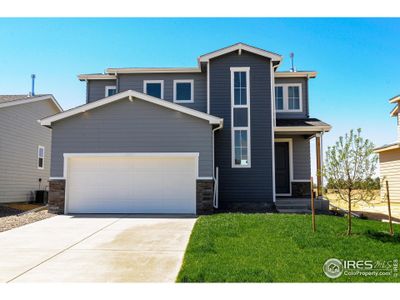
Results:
[131, 184]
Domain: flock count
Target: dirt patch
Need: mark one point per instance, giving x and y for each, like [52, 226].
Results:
[10, 219]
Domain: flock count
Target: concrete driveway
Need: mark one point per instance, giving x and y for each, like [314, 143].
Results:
[95, 249]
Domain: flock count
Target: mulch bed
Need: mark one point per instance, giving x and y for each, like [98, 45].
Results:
[10, 219]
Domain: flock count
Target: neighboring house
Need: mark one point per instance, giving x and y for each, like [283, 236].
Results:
[389, 159]
[24, 145]
[232, 133]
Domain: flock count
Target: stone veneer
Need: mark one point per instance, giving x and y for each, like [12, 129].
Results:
[56, 196]
[204, 196]
[301, 189]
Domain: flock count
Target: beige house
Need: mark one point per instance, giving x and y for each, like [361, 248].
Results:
[389, 159]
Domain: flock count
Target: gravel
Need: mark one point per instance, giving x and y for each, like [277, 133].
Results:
[12, 220]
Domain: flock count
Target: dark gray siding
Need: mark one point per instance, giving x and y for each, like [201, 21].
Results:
[96, 89]
[136, 126]
[243, 184]
[301, 156]
[304, 89]
[20, 136]
[135, 82]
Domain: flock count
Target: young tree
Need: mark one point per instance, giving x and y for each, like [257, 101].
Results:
[349, 168]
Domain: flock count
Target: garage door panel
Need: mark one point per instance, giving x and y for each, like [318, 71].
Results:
[132, 185]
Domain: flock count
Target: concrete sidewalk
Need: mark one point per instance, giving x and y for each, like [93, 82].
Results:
[95, 249]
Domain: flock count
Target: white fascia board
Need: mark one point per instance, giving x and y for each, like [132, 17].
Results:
[34, 99]
[151, 70]
[302, 128]
[132, 154]
[83, 77]
[311, 74]
[130, 94]
[387, 148]
[240, 47]
[395, 111]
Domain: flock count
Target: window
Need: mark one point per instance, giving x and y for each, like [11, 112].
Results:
[240, 106]
[288, 98]
[40, 157]
[154, 88]
[111, 90]
[241, 147]
[240, 88]
[294, 97]
[279, 98]
[183, 91]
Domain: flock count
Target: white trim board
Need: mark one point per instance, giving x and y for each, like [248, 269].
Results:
[239, 47]
[290, 142]
[191, 81]
[83, 77]
[312, 129]
[152, 70]
[130, 94]
[31, 100]
[161, 82]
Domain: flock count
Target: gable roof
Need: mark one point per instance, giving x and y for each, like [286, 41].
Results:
[11, 100]
[394, 99]
[130, 94]
[239, 47]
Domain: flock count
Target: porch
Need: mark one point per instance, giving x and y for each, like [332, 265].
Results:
[293, 164]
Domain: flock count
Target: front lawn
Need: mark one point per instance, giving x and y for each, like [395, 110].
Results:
[282, 248]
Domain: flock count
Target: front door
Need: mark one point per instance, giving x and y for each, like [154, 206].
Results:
[282, 168]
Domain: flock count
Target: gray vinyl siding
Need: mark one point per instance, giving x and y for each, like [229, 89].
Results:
[137, 126]
[304, 96]
[243, 184]
[135, 82]
[20, 136]
[96, 89]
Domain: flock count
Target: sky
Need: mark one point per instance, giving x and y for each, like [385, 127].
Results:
[357, 60]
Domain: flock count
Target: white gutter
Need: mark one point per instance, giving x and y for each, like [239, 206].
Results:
[215, 178]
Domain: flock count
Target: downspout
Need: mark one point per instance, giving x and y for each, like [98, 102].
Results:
[215, 178]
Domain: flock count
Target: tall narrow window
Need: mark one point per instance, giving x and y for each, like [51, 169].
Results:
[293, 98]
[110, 90]
[240, 88]
[40, 157]
[240, 117]
[279, 98]
[241, 147]
[154, 88]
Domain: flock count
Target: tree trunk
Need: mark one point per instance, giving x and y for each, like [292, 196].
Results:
[349, 216]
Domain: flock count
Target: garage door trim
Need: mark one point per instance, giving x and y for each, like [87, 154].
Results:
[67, 156]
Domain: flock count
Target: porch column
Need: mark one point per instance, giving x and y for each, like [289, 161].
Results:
[319, 163]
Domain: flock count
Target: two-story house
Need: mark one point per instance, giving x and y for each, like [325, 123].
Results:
[232, 133]
[24, 145]
[389, 159]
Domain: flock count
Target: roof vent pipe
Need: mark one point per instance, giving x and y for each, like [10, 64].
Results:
[292, 69]
[33, 76]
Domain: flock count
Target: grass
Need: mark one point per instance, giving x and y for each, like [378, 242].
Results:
[282, 248]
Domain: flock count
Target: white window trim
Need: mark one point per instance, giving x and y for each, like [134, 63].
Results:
[247, 128]
[191, 81]
[290, 142]
[240, 69]
[109, 87]
[44, 154]
[285, 87]
[145, 82]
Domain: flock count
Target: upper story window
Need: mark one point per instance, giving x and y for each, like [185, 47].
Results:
[40, 160]
[288, 97]
[183, 91]
[110, 90]
[240, 86]
[154, 88]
